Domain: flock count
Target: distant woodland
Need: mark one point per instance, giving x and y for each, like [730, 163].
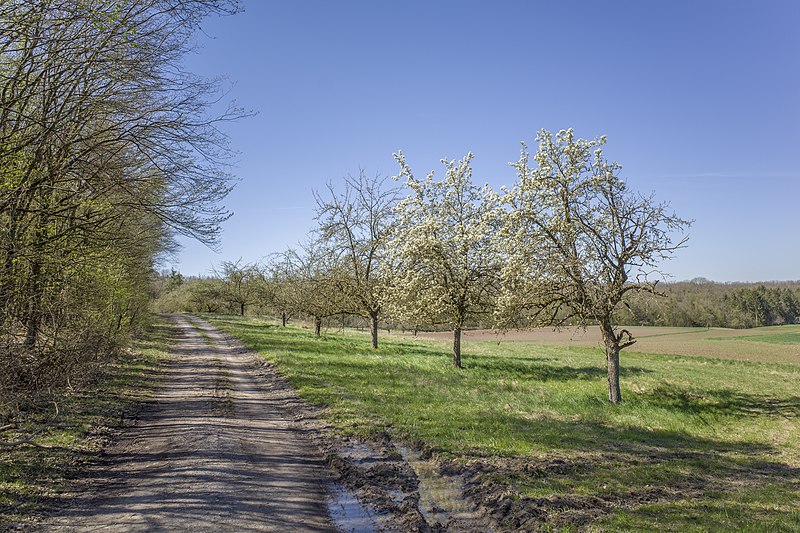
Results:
[701, 302]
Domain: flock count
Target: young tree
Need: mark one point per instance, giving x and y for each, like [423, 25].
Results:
[241, 283]
[278, 288]
[355, 224]
[312, 281]
[579, 240]
[207, 295]
[444, 249]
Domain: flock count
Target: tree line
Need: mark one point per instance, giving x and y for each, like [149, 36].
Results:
[568, 243]
[704, 303]
[107, 152]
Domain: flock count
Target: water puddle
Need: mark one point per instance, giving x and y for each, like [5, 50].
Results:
[396, 495]
[347, 514]
[361, 454]
[440, 498]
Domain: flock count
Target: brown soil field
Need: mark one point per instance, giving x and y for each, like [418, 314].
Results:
[703, 342]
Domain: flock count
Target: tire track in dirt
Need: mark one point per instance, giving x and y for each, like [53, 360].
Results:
[215, 451]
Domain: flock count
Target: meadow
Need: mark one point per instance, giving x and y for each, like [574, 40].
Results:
[700, 443]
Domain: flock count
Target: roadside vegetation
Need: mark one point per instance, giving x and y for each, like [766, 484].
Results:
[35, 475]
[696, 447]
[108, 151]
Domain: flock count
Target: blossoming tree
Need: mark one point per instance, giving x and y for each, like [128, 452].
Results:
[443, 251]
[578, 240]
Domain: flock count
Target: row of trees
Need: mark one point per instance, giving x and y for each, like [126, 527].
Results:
[695, 303]
[567, 244]
[106, 152]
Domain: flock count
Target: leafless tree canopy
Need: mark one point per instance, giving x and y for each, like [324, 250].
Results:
[355, 224]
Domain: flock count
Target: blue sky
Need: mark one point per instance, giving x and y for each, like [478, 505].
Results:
[700, 102]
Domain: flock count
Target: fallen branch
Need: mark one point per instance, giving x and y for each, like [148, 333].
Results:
[29, 439]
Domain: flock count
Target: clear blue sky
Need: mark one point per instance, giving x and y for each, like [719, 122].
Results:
[700, 102]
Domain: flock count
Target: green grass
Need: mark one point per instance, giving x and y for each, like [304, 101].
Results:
[33, 479]
[698, 443]
[775, 338]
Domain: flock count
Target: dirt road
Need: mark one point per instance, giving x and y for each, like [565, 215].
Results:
[216, 451]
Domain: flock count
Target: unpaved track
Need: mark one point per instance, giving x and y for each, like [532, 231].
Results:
[216, 452]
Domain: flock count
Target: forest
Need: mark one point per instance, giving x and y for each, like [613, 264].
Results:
[108, 151]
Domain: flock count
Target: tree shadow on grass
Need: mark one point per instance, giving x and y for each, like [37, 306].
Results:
[594, 469]
[157, 337]
[270, 338]
[722, 402]
[540, 370]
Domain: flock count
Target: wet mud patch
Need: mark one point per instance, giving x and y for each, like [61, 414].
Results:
[493, 485]
[404, 487]
[442, 501]
[376, 473]
[347, 512]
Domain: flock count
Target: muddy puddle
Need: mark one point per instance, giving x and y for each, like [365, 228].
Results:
[347, 513]
[441, 500]
[399, 489]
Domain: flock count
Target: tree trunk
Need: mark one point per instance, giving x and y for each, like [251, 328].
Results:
[457, 347]
[374, 330]
[614, 394]
[612, 358]
[33, 317]
[6, 284]
[283, 319]
[317, 326]
[241, 308]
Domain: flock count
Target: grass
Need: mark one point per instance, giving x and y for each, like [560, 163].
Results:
[774, 338]
[33, 478]
[698, 444]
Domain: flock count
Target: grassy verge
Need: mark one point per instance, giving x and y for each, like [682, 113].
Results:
[32, 478]
[698, 444]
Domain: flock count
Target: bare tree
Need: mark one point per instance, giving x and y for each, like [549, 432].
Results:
[355, 224]
[579, 240]
[279, 293]
[241, 283]
[312, 282]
